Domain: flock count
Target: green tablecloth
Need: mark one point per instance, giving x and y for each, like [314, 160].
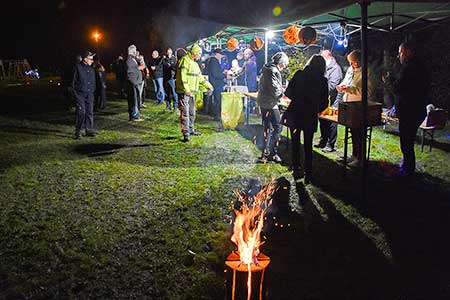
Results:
[232, 110]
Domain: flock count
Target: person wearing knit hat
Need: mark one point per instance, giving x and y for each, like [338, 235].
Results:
[270, 93]
[189, 79]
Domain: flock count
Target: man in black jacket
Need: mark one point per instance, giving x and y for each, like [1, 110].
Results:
[411, 89]
[82, 89]
[216, 77]
[169, 68]
[156, 67]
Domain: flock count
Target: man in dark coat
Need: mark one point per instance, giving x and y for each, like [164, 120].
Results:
[308, 92]
[82, 88]
[169, 69]
[411, 89]
[328, 129]
[216, 77]
[134, 80]
[156, 68]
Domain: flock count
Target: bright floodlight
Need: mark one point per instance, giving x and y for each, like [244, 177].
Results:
[270, 34]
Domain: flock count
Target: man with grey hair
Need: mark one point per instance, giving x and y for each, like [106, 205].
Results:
[270, 93]
[134, 80]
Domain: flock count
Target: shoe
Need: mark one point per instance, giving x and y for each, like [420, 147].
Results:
[196, 133]
[137, 120]
[320, 145]
[186, 138]
[354, 163]
[91, 133]
[143, 105]
[328, 149]
[78, 135]
[276, 159]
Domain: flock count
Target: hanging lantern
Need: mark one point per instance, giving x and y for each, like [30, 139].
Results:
[256, 43]
[307, 35]
[232, 44]
[291, 35]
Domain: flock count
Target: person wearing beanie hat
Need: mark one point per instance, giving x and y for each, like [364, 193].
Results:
[82, 89]
[189, 79]
[270, 93]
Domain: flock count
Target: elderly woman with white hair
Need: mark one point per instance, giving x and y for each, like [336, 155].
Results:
[269, 95]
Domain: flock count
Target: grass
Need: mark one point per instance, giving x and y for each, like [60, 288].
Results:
[134, 213]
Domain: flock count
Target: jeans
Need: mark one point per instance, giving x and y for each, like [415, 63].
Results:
[307, 144]
[84, 108]
[187, 107]
[171, 93]
[159, 89]
[272, 129]
[133, 97]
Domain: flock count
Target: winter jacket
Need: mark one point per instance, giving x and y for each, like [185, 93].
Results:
[215, 73]
[250, 70]
[169, 67]
[134, 75]
[270, 87]
[411, 90]
[156, 67]
[189, 77]
[83, 80]
[308, 91]
[353, 79]
[334, 77]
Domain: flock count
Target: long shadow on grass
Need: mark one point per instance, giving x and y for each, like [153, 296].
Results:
[95, 150]
[317, 253]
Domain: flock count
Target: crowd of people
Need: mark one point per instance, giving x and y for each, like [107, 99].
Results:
[179, 78]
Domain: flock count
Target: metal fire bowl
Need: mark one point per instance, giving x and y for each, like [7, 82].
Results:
[234, 262]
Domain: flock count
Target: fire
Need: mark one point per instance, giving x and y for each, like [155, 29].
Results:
[248, 225]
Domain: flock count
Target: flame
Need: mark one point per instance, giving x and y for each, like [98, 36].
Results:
[248, 225]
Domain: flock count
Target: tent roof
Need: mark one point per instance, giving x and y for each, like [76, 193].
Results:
[191, 20]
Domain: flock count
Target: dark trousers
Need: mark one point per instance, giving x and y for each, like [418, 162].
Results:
[307, 145]
[187, 108]
[271, 120]
[84, 108]
[217, 102]
[356, 142]
[171, 95]
[133, 97]
[328, 133]
[100, 98]
[408, 131]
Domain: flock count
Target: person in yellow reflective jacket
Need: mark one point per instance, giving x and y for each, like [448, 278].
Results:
[188, 81]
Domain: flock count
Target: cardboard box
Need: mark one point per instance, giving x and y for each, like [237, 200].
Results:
[350, 114]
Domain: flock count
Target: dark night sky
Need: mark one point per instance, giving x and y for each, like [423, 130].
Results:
[47, 32]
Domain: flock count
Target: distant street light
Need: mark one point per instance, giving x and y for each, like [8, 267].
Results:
[96, 36]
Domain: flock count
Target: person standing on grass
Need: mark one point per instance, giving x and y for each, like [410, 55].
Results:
[82, 88]
[100, 90]
[169, 69]
[217, 78]
[189, 78]
[328, 129]
[308, 91]
[411, 88]
[134, 79]
[269, 95]
[156, 67]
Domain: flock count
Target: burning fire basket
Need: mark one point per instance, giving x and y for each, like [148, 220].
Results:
[234, 262]
[247, 228]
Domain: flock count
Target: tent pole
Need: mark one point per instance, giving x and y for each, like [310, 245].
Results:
[364, 18]
[266, 49]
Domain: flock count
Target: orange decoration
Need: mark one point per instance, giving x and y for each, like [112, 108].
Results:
[256, 43]
[232, 44]
[307, 35]
[291, 35]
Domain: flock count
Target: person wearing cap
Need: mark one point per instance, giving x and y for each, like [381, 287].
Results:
[216, 77]
[269, 95]
[188, 80]
[82, 88]
[134, 80]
